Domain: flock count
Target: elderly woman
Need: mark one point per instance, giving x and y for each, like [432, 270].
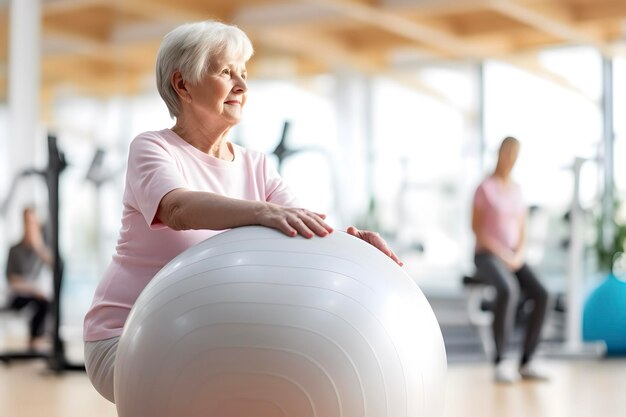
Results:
[499, 223]
[187, 183]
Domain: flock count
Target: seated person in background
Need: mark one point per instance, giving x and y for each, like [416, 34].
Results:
[24, 264]
[499, 224]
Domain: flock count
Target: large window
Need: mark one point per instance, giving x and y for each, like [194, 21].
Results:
[307, 107]
[619, 97]
[555, 114]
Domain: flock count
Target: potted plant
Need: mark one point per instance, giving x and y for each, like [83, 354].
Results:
[606, 253]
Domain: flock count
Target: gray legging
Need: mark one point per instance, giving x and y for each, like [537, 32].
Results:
[508, 284]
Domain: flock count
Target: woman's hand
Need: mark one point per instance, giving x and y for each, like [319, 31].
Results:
[512, 260]
[517, 262]
[375, 240]
[294, 221]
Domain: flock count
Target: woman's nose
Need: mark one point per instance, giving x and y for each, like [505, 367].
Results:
[240, 85]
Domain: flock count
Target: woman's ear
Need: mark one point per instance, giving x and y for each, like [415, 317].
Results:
[180, 86]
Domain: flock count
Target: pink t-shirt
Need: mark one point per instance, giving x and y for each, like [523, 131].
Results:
[158, 163]
[503, 209]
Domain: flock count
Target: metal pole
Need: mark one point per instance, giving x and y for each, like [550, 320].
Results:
[608, 136]
[575, 267]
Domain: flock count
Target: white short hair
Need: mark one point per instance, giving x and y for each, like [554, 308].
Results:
[191, 49]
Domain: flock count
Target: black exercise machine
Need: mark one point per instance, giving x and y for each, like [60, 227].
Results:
[56, 358]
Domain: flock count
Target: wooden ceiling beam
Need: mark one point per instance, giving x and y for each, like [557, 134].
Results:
[599, 10]
[95, 86]
[317, 47]
[548, 24]
[532, 64]
[406, 28]
[51, 7]
[4, 36]
[434, 7]
[168, 11]
[119, 38]
[310, 12]
[73, 43]
[414, 82]
[3, 87]
[136, 57]
[284, 15]
[71, 73]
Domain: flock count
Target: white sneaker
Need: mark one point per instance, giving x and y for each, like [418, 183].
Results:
[506, 374]
[530, 372]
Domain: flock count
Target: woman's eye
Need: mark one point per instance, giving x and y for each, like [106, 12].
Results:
[226, 71]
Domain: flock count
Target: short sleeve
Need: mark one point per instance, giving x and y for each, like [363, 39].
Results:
[277, 190]
[152, 173]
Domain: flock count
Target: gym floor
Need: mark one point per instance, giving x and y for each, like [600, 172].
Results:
[577, 389]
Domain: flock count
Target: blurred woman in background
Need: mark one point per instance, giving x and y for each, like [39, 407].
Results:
[25, 261]
[499, 224]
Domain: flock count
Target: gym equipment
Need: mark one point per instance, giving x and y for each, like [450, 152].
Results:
[252, 322]
[574, 346]
[99, 175]
[56, 359]
[283, 151]
[479, 293]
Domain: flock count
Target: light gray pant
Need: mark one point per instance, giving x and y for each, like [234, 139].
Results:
[100, 365]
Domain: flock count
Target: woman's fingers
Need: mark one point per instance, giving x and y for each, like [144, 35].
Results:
[306, 223]
[354, 232]
[302, 222]
[309, 224]
[394, 257]
[320, 215]
[301, 227]
[375, 240]
[319, 218]
[316, 225]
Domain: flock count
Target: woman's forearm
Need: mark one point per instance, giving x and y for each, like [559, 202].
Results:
[44, 254]
[185, 210]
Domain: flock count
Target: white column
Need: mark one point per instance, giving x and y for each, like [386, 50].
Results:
[24, 75]
[354, 125]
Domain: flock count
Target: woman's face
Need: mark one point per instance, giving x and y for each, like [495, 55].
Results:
[508, 157]
[31, 224]
[221, 93]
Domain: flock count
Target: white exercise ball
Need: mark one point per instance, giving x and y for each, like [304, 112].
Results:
[252, 323]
